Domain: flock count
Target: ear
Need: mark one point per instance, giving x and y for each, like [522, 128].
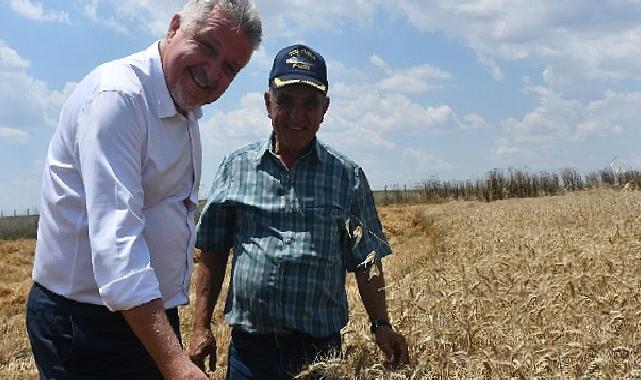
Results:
[267, 98]
[174, 25]
[325, 108]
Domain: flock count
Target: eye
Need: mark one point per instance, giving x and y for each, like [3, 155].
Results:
[283, 102]
[311, 104]
[230, 70]
[206, 47]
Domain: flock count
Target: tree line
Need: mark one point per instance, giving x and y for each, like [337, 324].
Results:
[500, 184]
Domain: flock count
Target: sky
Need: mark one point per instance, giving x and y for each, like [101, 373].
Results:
[419, 89]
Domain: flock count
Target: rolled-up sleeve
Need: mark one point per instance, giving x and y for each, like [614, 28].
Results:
[215, 230]
[365, 226]
[110, 149]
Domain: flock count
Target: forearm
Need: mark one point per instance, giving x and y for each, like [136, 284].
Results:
[210, 275]
[372, 292]
[149, 323]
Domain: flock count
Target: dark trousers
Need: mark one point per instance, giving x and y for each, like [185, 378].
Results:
[75, 340]
[276, 356]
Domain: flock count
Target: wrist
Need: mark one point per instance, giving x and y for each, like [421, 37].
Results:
[382, 322]
[173, 364]
[201, 328]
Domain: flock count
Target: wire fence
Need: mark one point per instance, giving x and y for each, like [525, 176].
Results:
[19, 223]
[15, 212]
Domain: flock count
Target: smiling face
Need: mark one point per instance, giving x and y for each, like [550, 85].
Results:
[297, 112]
[200, 61]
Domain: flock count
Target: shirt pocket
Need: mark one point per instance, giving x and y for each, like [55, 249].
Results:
[325, 221]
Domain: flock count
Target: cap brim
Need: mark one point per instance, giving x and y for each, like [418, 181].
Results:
[288, 80]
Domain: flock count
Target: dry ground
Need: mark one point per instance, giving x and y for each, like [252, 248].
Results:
[543, 287]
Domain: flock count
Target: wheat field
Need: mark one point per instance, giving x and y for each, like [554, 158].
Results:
[522, 288]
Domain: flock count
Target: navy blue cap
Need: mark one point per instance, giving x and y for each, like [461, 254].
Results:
[299, 64]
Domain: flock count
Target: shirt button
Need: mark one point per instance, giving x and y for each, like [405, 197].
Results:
[288, 241]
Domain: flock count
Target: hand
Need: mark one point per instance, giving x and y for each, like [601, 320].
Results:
[393, 346]
[203, 344]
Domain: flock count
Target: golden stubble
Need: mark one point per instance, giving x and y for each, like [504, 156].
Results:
[16, 258]
[536, 287]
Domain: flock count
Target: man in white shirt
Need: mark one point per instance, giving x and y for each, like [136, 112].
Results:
[114, 251]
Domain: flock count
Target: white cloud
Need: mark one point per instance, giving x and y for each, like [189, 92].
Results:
[291, 19]
[580, 50]
[150, 15]
[376, 60]
[593, 39]
[232, 129]
[10, 59]
[474, 121]
[35, 11]
[590, 40]
[90, 11]
[27, 102]
[415, 80]
[561, 122]
[423, 160]
[127, 17]
[384, 105]
[489, 62]
[13, 136]
[281, 18]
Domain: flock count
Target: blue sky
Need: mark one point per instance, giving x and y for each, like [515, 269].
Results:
[419, 88]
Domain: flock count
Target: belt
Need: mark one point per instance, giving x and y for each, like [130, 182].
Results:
[285, 339]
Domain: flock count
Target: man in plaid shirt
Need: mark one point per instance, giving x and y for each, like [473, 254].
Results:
[299, 216]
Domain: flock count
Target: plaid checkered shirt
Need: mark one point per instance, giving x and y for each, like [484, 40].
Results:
[294, 233]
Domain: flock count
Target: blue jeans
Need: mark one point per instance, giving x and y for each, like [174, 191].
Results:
[75, 340]
[276, 356]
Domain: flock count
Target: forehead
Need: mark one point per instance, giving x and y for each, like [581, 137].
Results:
[299, 91]
[216, 18]
[226, 34]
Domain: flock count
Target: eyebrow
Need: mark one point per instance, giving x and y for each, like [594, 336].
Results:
[308, 99]
[211, 38]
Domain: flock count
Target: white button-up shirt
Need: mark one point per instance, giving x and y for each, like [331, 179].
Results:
[120, 188]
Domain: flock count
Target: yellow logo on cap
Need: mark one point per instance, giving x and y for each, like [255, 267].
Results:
[278, 83]
[298, 64]
[305, 52]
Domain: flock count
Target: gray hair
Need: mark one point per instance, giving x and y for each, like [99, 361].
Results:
[242, 12]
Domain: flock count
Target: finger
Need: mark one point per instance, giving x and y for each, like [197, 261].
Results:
[212, 359]
[404, 357]
[197, 356]
[200, 364]
[401, 354]
[396, 358]
[198, 360]
[387, 349]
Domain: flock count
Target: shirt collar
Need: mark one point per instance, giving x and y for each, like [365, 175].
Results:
[164, 104]
[315, 151]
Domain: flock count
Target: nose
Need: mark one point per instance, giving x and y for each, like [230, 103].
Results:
[297, 112]
[214, 70]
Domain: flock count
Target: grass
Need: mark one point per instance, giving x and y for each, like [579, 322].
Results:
[18, 227]
[16, 361]
[533, 287]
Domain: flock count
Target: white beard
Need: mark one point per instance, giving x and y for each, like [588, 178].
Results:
[182, 94]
